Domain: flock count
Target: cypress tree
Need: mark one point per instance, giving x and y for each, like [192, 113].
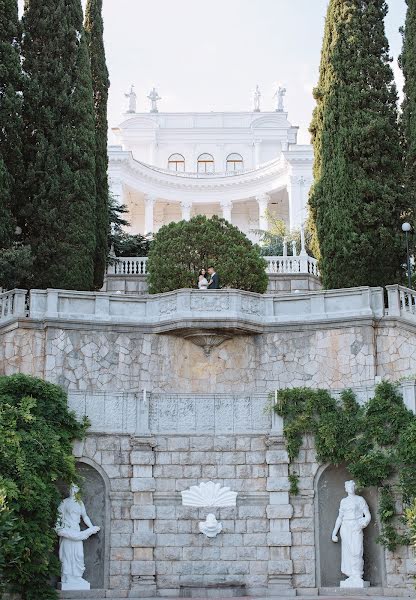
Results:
[94, 28]
[407, 62]
[357, 199]
[60, 144]
[10, 118]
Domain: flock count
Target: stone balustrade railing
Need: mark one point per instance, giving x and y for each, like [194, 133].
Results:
[12, 304]
[304, 264]
[226, 304]
[401, 302]
[245, 311]
[128, 266]
[292, 264]
[144, 413]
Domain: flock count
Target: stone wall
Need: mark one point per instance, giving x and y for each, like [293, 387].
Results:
[271, 542]
[121, 358]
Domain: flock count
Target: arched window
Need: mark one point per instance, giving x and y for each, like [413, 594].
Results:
[205, 163]
[235, 162]
[176, 162]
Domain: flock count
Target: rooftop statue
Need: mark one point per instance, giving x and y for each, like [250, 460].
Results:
[132, 96]
[257, 96]
[154, 97]
[280, 96]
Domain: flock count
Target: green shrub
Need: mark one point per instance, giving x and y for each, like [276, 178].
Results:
[375, 441]
[36, 434]
[180, 250]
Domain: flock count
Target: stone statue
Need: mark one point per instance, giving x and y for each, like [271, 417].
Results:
[132, 100]
[210, 527]
[257, 96]
[154, 97]
[71, 538]
[354, 515]
[280, 95]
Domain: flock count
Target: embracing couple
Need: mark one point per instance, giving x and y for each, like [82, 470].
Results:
[212, 284]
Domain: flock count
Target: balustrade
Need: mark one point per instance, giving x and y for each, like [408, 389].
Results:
[137, 265]
[12, 304]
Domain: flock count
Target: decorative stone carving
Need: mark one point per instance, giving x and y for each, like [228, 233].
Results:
[207, 340]
[251, 306]
[354, 516]
[71, 538]
[210, 527]
[209, 494]
[210, 301]
[167, 307]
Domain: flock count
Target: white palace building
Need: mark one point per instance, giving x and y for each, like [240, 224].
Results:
[238, 165]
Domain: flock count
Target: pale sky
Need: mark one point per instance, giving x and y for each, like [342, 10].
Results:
[205, 55]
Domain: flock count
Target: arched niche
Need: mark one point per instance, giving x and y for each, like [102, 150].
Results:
[329, 490]
[96, 548]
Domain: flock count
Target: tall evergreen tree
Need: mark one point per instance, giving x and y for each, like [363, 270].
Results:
[10, 118]
[357, 199]
[60, 144]
[408, 64]
[94, 28]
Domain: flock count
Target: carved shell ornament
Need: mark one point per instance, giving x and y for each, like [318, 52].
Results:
[209, 494]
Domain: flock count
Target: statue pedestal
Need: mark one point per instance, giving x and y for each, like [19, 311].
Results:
[354, 583]
[76, 583]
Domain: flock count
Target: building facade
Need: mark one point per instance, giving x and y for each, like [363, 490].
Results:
[238, 165]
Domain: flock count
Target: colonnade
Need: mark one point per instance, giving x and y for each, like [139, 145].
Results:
[297, 188]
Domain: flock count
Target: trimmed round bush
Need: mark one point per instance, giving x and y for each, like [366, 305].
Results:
[180, 250]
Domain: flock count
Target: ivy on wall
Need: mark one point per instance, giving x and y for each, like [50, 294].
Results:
[36, 434]
[376, 441]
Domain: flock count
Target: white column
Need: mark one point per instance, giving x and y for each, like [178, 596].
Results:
[226, 207]
[149, 203]
[298, 192]
[116, 190]
[263, 203]
[186, 210]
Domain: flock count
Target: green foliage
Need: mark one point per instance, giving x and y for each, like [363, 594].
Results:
[357, 200]
[10, 119]
[123, 243]
[36, 434]
[410, 515]
[407, 62]
[59, 145]
[94, 28]
[16, 264]
[376, 441]
[180, 250]
[271, 240]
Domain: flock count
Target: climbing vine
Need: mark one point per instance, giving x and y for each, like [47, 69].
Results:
[36, 434]
[376, 441]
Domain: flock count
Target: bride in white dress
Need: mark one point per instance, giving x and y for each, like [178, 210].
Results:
[202, 280]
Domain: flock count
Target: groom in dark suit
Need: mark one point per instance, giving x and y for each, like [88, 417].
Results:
[214, 283]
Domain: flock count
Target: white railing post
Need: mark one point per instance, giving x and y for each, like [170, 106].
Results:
[393, 300]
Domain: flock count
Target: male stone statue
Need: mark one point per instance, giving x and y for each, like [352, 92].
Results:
[257, 96]
[154, 97]
[132, 100]
[280, 95]
[354, 516]
[71, 551]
